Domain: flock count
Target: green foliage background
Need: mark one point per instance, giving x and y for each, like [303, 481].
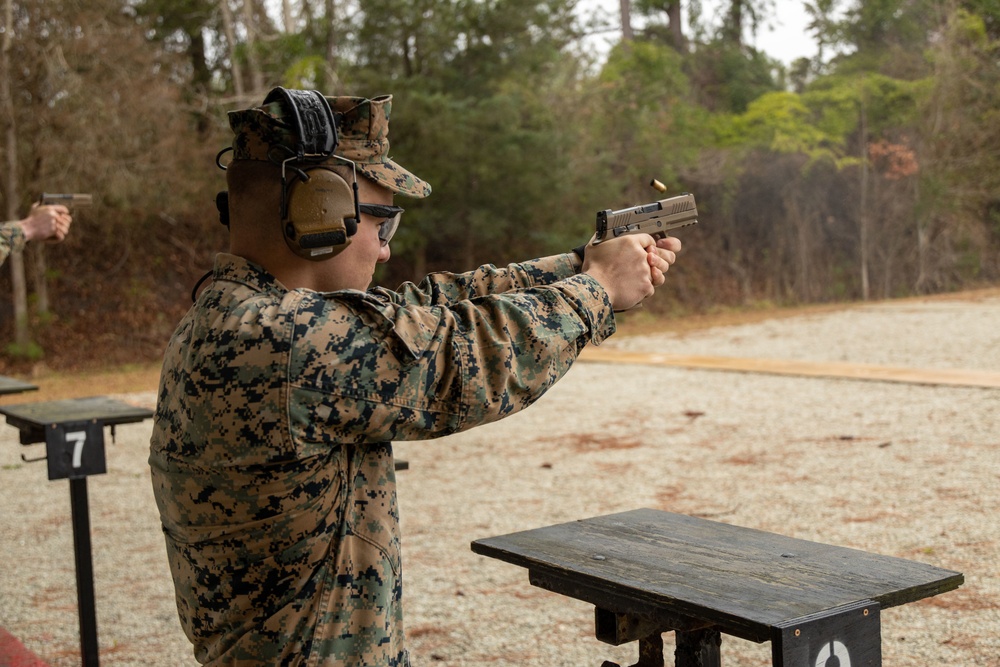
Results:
[868, 171]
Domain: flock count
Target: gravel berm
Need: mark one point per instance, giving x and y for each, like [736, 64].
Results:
[907, 470]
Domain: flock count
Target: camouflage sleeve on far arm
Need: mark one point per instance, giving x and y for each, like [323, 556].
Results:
[12, 239]
[439, 289]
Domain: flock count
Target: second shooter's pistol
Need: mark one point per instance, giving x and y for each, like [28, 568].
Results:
[656, 218]
[69, 201]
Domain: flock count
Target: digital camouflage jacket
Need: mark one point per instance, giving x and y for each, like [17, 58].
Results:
[11, 239]
[271, 459]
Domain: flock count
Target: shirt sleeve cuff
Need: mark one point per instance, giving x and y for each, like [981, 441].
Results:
[592, 304]
[15, 236]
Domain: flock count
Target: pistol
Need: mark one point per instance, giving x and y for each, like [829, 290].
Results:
[67, 200]
[656, 218]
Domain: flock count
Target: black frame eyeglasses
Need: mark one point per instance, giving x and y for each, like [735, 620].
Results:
[390, 216]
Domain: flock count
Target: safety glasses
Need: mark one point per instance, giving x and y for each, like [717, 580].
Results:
[390, 216]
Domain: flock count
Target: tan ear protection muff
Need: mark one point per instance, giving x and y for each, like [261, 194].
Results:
[319, 208]
[320, 216]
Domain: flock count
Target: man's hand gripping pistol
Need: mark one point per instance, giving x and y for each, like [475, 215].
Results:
[655, 219]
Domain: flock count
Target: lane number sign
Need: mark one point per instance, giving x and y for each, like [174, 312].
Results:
[75, 449]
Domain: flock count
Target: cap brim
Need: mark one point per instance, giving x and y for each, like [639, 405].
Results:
[396, 178]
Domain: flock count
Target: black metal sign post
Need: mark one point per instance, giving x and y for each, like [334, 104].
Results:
[73, 433]
[85, 597]
[75, 450]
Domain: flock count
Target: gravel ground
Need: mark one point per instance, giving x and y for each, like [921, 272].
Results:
[898, 469]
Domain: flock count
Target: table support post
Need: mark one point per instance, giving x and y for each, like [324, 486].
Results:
[650, 652]
[84, 572]
[698, 648]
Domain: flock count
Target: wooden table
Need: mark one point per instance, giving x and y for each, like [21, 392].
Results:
[73, 433]
[649, 572]
[9, 385]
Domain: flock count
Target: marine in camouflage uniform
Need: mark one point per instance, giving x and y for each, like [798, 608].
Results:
[271, 455]
[12, 239]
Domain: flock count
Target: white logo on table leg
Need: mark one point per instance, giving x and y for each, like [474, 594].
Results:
[833, 654]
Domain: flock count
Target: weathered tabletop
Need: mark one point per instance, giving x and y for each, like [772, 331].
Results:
[9, 385]
[742, 581]
[31, 418]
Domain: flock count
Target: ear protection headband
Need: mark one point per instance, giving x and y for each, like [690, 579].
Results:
[319, 208]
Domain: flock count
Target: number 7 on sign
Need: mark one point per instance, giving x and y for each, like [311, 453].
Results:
[78, 438]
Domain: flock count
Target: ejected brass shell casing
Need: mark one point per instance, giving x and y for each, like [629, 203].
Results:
[659, 186]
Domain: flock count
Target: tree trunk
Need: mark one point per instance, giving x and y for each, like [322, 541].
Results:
[227, 28]
[863, 201]
[626, 13]
[676, 31]
[256, 76]
[733, 30]
[332, 80]
[801, 224]
[40, 267]
[922, 244]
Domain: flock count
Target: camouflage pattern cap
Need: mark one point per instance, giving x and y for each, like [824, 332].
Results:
[362, 128]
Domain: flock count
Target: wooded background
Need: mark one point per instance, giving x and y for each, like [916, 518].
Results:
[868, 171]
